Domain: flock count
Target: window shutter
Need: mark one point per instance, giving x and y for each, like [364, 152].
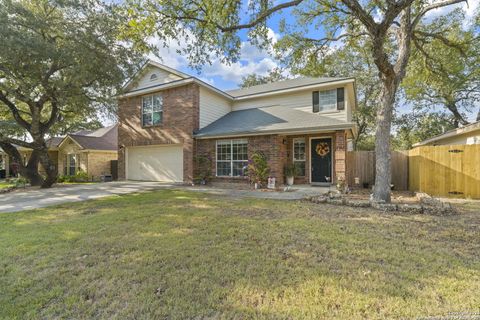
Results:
[340, 99]
[315, 101]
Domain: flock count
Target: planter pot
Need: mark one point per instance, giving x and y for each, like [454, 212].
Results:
[290, 181]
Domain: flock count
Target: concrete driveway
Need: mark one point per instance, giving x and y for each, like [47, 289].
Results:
[37, 198]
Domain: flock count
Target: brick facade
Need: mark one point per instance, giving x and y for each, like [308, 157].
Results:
[180, 120]
[279, 152]
[99, 163]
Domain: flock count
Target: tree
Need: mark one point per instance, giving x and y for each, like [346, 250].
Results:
[254, 79]
[446, 76]
[58, 60]
[418, 126]
[389, 26]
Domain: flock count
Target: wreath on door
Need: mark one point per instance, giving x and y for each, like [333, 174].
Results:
[322, 149]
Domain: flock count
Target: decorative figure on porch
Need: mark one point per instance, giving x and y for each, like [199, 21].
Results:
[322, 149]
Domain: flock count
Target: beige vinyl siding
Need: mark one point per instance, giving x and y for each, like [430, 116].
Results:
[301, 100]
[212, 107]
[162, 77]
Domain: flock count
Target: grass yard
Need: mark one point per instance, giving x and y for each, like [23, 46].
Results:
[4, 184]
[184, 255]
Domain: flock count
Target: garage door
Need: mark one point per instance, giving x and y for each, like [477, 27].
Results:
[155, 163]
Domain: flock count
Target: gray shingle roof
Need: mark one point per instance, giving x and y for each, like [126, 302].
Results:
[281, 85]
[101, 139]
[269, 120]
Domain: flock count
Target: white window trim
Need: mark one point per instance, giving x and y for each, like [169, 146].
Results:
[151, 113]
[231, 161]
[305, 155]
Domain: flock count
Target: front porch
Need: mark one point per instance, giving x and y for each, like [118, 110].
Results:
[320, 157]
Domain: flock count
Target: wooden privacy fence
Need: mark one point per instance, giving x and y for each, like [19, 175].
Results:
[361, 164]
[446, 170]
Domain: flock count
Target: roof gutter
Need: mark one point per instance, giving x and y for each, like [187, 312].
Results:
[304, 87]
[347, 126]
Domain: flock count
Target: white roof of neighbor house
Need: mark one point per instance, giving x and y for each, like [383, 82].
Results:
[452, 133]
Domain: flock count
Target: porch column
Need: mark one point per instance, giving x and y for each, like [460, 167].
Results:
[340, 155]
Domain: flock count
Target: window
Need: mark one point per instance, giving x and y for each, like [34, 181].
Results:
[232, 158]
[153, 77]
[70, 164]
[152, 110]
[299, 156]
[328, 100]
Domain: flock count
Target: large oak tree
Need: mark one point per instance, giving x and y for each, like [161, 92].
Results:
[59, 59]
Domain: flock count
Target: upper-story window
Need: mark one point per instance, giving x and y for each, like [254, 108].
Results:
[328, 100]
[152, 110]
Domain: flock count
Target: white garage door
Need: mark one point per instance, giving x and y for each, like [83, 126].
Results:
[155, 163]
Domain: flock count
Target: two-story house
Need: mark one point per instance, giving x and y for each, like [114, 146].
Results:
[167, 118]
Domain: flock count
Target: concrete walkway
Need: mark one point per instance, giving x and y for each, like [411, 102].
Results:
[38, 198]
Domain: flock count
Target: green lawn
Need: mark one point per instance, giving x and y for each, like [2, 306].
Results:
[184, 255]
[4, 185]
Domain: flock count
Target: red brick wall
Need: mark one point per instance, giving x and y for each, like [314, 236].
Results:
[340, 164]
[271, 145]
[279, 151]
[180, 119]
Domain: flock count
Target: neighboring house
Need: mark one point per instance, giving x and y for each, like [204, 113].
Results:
[89, 151]
[168, 118]
[469, 134]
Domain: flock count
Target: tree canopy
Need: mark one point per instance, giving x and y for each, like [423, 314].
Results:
[445, 71]
[59, 60]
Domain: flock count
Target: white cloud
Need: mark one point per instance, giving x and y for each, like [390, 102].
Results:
[470, 9]
[252, 60]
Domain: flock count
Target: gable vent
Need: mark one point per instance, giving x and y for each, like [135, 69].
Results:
[153, 77]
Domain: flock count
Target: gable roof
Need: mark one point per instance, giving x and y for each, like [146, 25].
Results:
[101, 139]
[452, 133]
[274, 119]
[268, 88]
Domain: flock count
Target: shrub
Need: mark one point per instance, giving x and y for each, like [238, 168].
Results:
[20, 182]
[258, 169]
[203, 166]
[80, 176]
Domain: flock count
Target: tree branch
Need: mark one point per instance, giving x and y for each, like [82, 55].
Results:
[433, 6]
[15, 111]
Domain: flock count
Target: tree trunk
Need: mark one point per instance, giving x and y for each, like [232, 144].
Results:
[30, 171]
[458, 118]
[478, 115]
[381, 191]
[50, 168]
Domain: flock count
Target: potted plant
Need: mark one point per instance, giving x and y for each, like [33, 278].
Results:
[290, 172]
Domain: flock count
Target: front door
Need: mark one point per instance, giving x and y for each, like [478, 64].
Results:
[321, 160]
